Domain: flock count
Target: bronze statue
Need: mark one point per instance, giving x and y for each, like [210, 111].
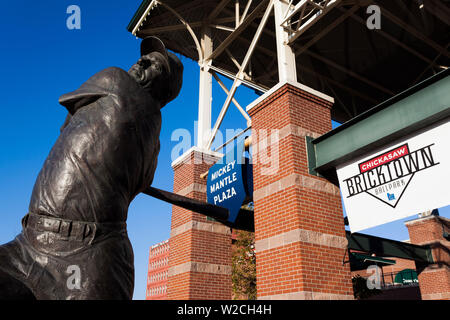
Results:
[74, 242]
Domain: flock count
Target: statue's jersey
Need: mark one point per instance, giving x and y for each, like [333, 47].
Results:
[106, 154]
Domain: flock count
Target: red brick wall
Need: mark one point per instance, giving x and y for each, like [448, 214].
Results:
[425, 230]
[307, 265]
[194, 248]
[400, 264]
[434, 279]
[185, 174]
[276, 112]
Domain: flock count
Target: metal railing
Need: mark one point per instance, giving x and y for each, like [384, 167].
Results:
[399, 279]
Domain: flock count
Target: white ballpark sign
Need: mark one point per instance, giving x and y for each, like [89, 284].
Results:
[399, 180]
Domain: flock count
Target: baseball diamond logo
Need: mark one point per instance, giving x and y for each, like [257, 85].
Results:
[387, 175]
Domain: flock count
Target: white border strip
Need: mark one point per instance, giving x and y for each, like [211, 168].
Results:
[301, 235]
[307, 295]
[201, 267]
[185, 155]
[138, 25]
[201, 226]
[295, 84]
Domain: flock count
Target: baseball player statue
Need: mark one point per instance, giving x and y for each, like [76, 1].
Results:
[74, 242]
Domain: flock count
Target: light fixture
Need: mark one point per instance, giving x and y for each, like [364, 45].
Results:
[420, 2]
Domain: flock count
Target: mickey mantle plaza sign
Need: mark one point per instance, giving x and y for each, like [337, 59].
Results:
[230, 181]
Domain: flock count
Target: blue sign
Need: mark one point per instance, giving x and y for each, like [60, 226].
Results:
[230, 181]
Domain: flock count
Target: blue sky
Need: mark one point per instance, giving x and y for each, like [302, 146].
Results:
[40, 60]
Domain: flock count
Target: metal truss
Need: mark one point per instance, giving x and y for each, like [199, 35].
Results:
[305, 13]
[300, 17]
[207, 54]
[242, 66]
[292, 19]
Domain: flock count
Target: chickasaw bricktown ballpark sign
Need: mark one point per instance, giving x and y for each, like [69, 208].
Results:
[400, 180]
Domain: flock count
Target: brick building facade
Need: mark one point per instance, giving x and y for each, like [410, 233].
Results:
[300, 236]
[434, 279]
[158, 269]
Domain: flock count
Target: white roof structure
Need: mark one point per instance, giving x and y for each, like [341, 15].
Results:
[322, 44]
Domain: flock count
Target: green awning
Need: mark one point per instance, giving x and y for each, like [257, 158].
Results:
[360, 261]
[365, 258]
[406, 276]
[389, 248]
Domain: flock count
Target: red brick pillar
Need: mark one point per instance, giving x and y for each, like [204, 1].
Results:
[299, 228]
[200, 250]
[434, 279]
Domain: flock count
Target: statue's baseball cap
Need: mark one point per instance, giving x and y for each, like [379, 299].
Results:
[154, 44]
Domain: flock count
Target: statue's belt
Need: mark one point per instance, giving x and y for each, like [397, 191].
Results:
[71, 229]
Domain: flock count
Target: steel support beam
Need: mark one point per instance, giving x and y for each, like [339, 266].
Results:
[182, 26]
[255, 13]
[349, 72]
[231, 76]
[218, 9]
[438, 9]
[239, 75]
[287, 70]
[389, 37]
[176, 27]
[220, 27]
[238, 106]
[205, 93]
[237, 13]
[432, 64]
[327, 29]
[302, 27]
[162, 16]
[414, 32]
[244, 14]
[188, 27]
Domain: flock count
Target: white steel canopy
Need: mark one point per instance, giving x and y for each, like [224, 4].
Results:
[323, 44]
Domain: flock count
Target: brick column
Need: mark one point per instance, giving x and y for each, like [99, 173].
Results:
[299, 228]
[434, 279]
[200, 250]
